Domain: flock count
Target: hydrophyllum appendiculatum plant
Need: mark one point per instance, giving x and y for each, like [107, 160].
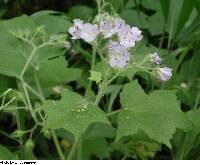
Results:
[112, 41]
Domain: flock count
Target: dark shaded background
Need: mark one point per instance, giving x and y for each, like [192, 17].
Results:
[19, 7]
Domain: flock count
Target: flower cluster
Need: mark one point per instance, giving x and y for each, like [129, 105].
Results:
[121, 37]
[125, 37]
[162, 73]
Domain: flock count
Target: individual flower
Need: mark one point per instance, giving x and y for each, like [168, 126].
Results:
[119, 25]
[128, 36]
[89, 32]
[164, 74]
[154, 58]
[76, 29]
[118, 55]
[137, 33]
[106, 28]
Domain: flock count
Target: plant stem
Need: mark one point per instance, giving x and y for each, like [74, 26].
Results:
[10, 101]
[76, 146]
[29, 103]
[171, 29]
[28, 62]
[197, 100]
[94, 50]
[100, 93]
[104, 84]
[19, 127]
[113, 113]
[79, 148]
[41, 97]
[59, 150]
[73, 150]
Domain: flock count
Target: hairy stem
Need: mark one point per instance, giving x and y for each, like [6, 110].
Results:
[94, 51]
[28, 62]
[104, 85]
[58, 148]
[74, 148]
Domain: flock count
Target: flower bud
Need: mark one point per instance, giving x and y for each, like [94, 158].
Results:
[164, 74]
[154, 58]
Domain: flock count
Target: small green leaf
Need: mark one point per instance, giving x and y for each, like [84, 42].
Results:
[27, 151]
[5, 154]
[73, 113]
[157, 114]
[95, 76]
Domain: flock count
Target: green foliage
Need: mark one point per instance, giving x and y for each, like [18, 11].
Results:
[9, 49]
[96, 147]
[50, 95]
[5, 154]
[72, 113]
[95, 76]
[146, 112]
[85, 14]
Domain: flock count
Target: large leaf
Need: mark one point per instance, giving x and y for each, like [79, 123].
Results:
[5, 154]
[157, 114]
[49, 77]
[11, 54]
[54, 22]
[72, 113]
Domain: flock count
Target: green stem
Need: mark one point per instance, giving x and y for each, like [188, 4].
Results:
[171, 30]
[40, 96]
[19, 127]
[59, 150]
[197, 101]
[14, 108]
[28, 62]
[94, 50]
[104, 84]
[113, 113]
[29, 103]
[73, 150]
[10, 101]
[79, 148]
[100, 94]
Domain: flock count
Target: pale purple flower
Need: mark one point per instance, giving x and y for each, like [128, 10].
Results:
[106, 28]
[128, 36]
[89, 32]
[136, 33]
[118, 55]
[119, 25]
[155, 59]
[164, 74]
[76, 29]
[125, 36]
